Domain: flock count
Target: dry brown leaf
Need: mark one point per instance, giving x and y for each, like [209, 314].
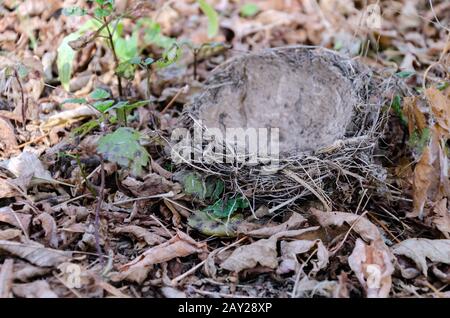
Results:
[36, 289]
[152, 184]
[25, 272]
[35, 253]
[289, 251]
[373, 267]
[68, 117]
[6, 189]
[49, 225]
[180, 245]
[263, 252]
[17, 219]
[366, 229]
[141, 234]
[440, 106]
[10, 234]
[420, 249]
[6, 278]
[28, 169]
[8, 142]
[442, 217]
[416, 118]
[293, 223]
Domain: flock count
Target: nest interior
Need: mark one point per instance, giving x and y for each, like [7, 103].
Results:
[329, 109]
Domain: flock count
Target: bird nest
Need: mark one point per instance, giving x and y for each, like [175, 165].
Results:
[327, 110]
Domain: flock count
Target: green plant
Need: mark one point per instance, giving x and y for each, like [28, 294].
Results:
[249, 10]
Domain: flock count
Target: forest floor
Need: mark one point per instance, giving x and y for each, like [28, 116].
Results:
[88, 209]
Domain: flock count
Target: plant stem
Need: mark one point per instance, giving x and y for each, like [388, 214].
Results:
[97, 210]
[121, 113]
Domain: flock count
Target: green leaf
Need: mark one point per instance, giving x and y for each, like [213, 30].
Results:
[405, 74]
[66, 54]
[249, 10]
[99, 93]
[74, 11]
[123, 148]
[224, 209]
[169, 57]
[102, 13]
[126, 70]
[397, 107]
[443, 85]
[74, 101]
[65, 59]
[194, 185]
[213, 18]
[103, 106]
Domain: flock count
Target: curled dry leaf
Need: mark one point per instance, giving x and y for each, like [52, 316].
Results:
[68, 117]
[141, 234]
[8, 143]
[6, 189]
[152, 184]
[440, 106]
[28, 169]
[442, 218]
[17, 219]
[373, 267]
[420, 249]
[180, 245]
[49, 225]
[293, 223]
[35, 253]
[262, 252]
[36, 289]
[25, 272]
[289, 251]
[10, 234]
[6, 278]
[367, 230]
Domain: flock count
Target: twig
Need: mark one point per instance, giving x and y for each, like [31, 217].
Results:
[35, 140]
[24, 107]
[172, 101]
[97, 211]
[156, 196]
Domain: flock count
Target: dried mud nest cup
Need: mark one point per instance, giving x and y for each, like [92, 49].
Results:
[328, 109]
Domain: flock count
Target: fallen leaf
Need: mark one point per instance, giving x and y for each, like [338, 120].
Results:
[293, 223]
[17, 219]
[440, 106]
[262, 252]
[25, 272]
[180, 245]
[290, 250]
[10, 234]
[8, 142]
[6, 190]
[35, 253]
[49, 225]
[141, 234]
[28, 169]
[442, 217]
[152, 184]
[420, 249]
[366, 229]
[373, 267]
[36, 289]
[6, 278]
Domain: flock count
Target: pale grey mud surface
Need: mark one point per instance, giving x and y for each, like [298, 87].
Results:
[308, 94]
